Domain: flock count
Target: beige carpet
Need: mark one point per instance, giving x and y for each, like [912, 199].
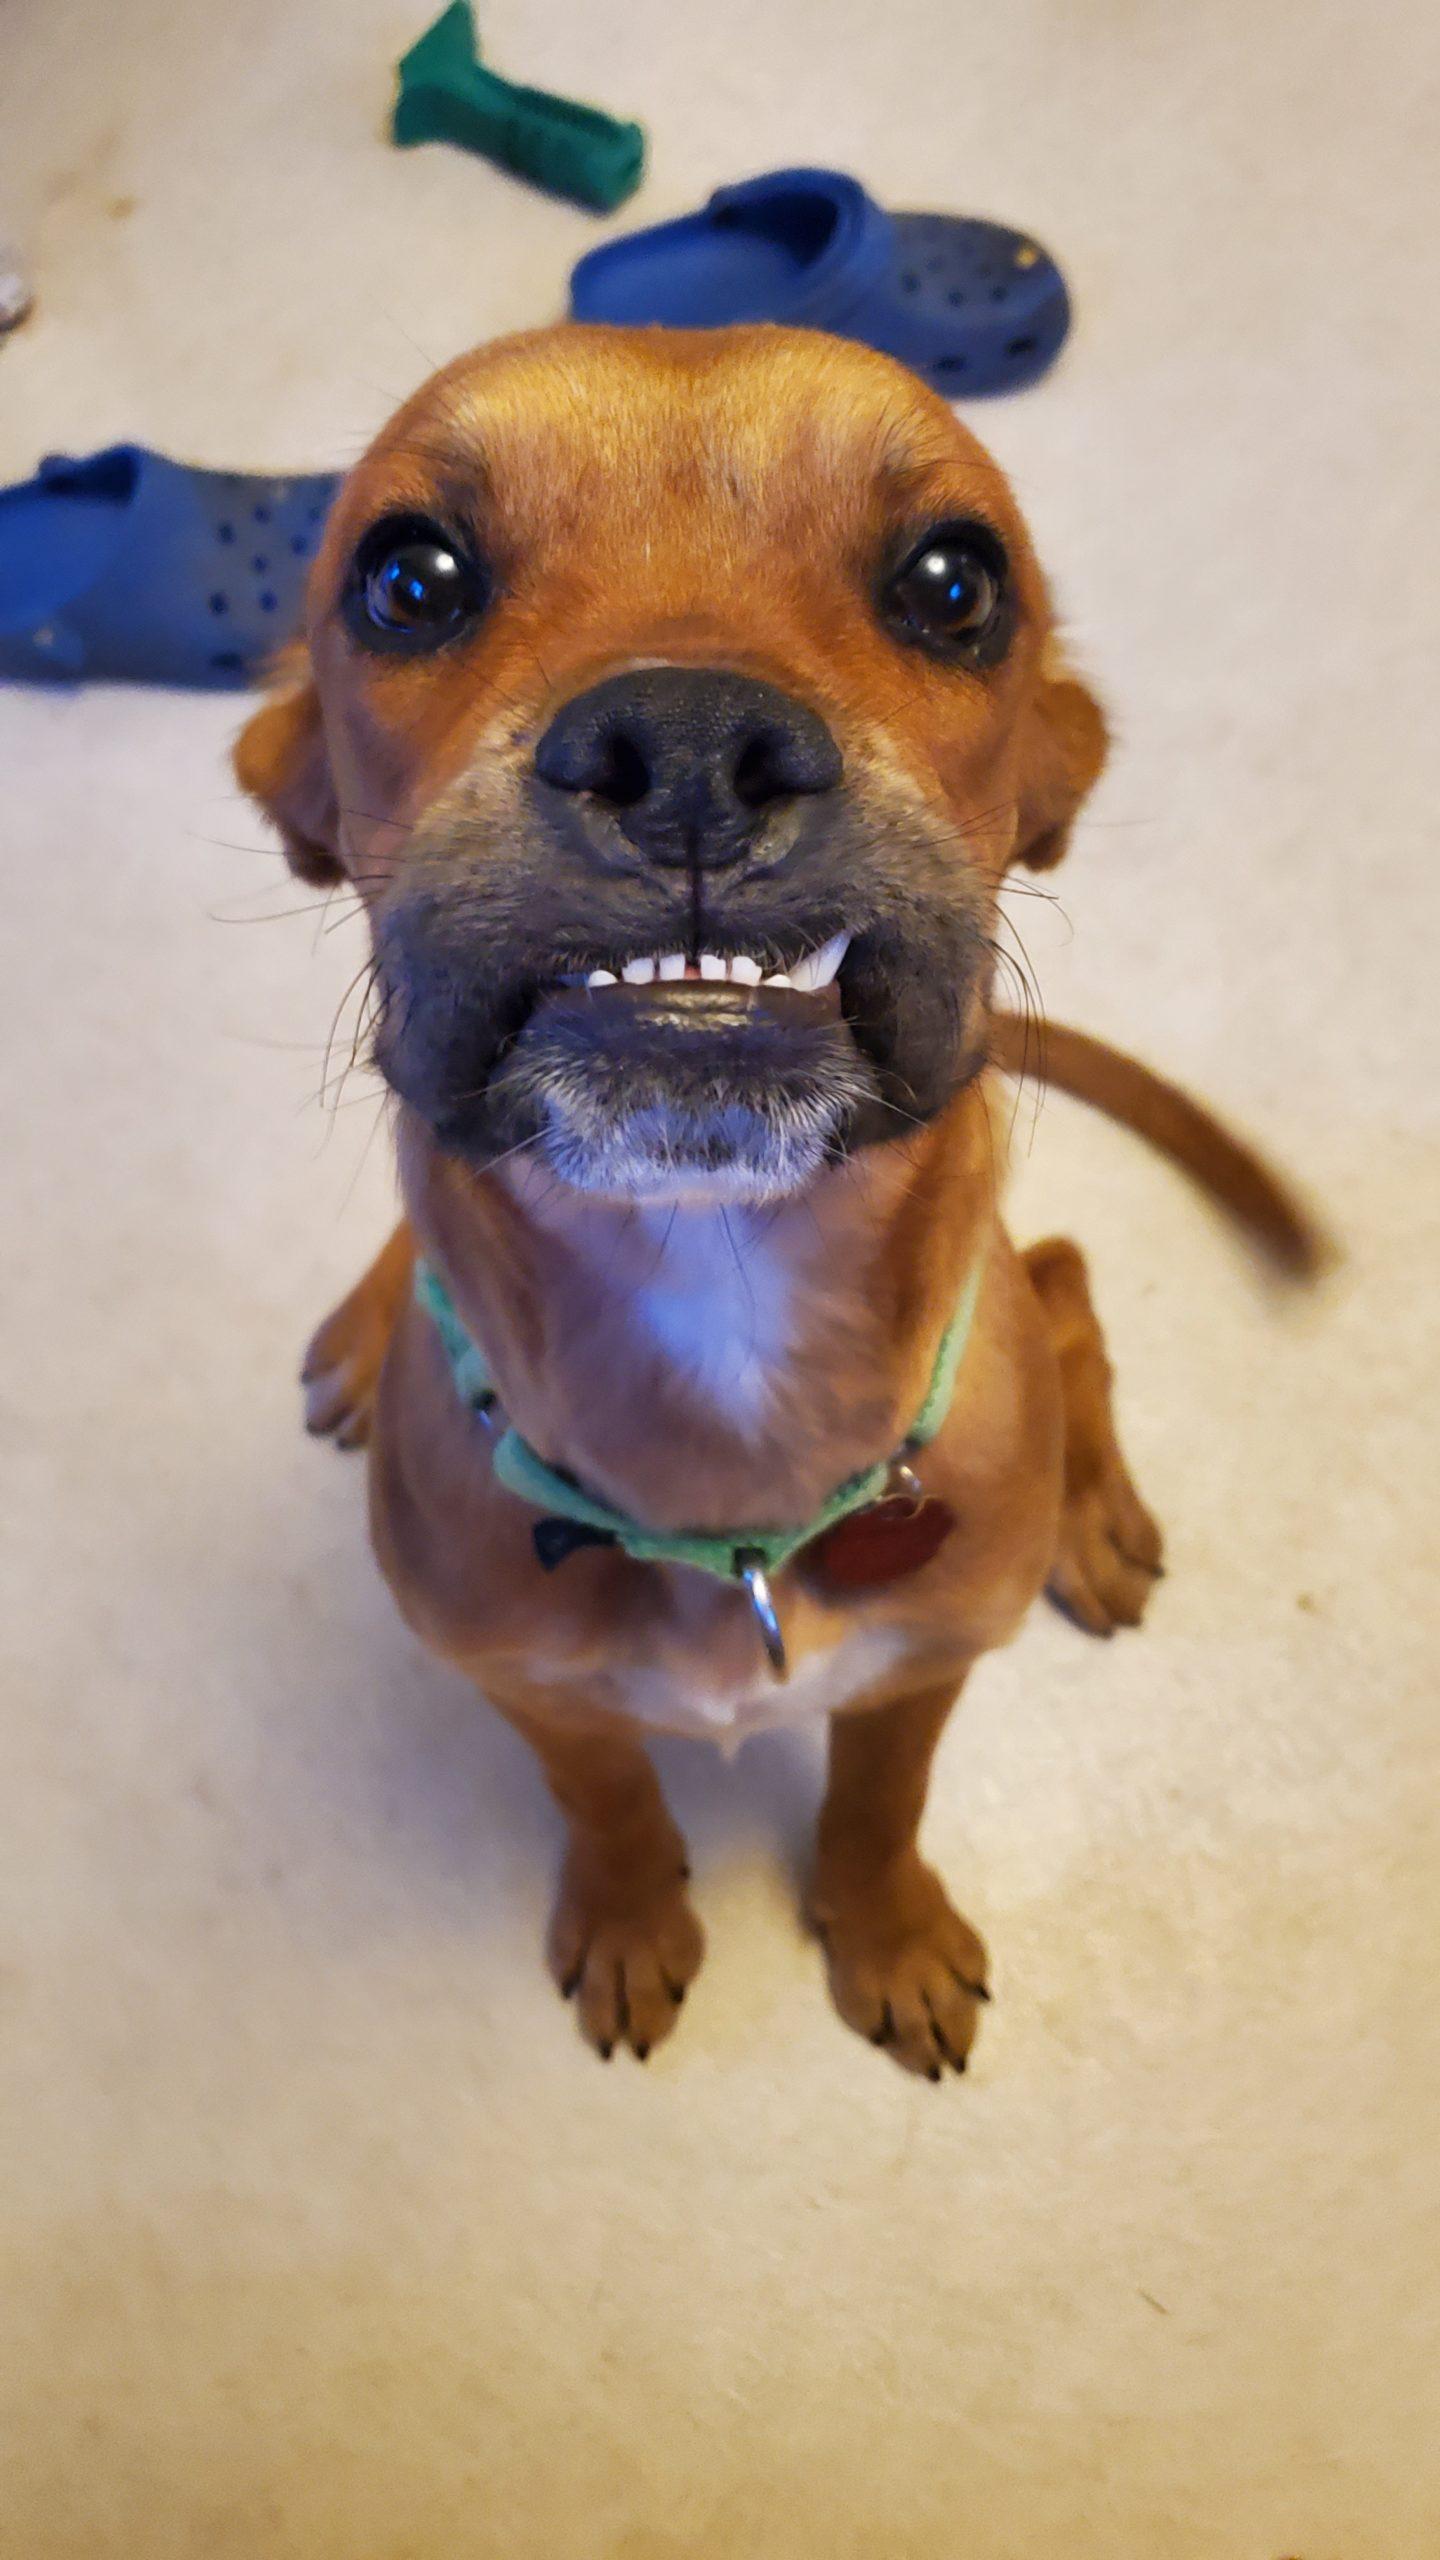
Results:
[324, 2239]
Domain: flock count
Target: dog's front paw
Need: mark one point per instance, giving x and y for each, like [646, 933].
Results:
[1110, 1551]
[626, 1951]
[341, 1371]
[905, 1969]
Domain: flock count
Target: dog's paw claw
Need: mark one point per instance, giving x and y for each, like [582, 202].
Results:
[906, 1971]
[627, 1961]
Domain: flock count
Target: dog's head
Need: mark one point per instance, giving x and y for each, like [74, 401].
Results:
[676, 703]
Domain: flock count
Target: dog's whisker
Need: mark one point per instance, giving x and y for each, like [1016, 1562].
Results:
[431, 363]
[346, 915]
[277, 915]
[1020, 975]
[364, 1157]
[228, 844]
[373, 818]
[1010, 887]
[738, 1259]
[367, 973]
[343, 1102]
[520, 1148]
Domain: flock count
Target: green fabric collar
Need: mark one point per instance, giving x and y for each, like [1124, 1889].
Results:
[729, 1554]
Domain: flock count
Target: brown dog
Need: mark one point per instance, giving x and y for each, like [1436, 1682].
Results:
[677, 703]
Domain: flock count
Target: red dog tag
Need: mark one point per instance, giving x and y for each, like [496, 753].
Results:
[882, 1543]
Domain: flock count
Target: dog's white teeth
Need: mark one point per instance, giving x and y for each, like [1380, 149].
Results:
[818, 968]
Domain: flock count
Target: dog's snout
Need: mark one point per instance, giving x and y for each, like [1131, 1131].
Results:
[690, 763]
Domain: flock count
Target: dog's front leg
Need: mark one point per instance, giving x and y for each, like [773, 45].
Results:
[341, 1371]
[905, 1969]
[624, 1941]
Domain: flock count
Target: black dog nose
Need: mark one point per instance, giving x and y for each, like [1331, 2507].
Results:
[689, 762]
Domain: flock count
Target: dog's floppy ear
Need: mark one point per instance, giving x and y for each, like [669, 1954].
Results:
[280, 759]
[1063, 753]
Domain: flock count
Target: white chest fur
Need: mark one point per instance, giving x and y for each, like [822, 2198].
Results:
[687, 1701]
[718, 1306]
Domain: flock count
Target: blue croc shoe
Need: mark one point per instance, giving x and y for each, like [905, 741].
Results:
[971, 306]
[126, 565]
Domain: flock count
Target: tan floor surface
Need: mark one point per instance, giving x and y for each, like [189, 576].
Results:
[323, 2237]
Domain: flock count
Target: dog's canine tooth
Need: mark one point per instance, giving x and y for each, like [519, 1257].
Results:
[745, 972]
[602, 978]
[671, 965]
[818, 968]
[712, 966]
[638, 973]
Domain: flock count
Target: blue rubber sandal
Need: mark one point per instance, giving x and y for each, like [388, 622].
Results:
[125, 564]
[971, 306]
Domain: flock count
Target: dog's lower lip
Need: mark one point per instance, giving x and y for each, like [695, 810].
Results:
[677, 994]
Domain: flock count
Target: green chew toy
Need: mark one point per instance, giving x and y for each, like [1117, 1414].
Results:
[446, 95]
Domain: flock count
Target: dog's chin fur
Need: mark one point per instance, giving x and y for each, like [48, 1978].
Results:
[658, 1155]
[709, 1094]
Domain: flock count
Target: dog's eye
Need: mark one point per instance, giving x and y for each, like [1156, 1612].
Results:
[950, 594]
[413, 585]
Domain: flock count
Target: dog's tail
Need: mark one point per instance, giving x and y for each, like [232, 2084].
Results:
[1222, 1164]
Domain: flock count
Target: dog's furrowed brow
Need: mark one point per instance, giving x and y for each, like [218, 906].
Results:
[941, 484]
[429, 470]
